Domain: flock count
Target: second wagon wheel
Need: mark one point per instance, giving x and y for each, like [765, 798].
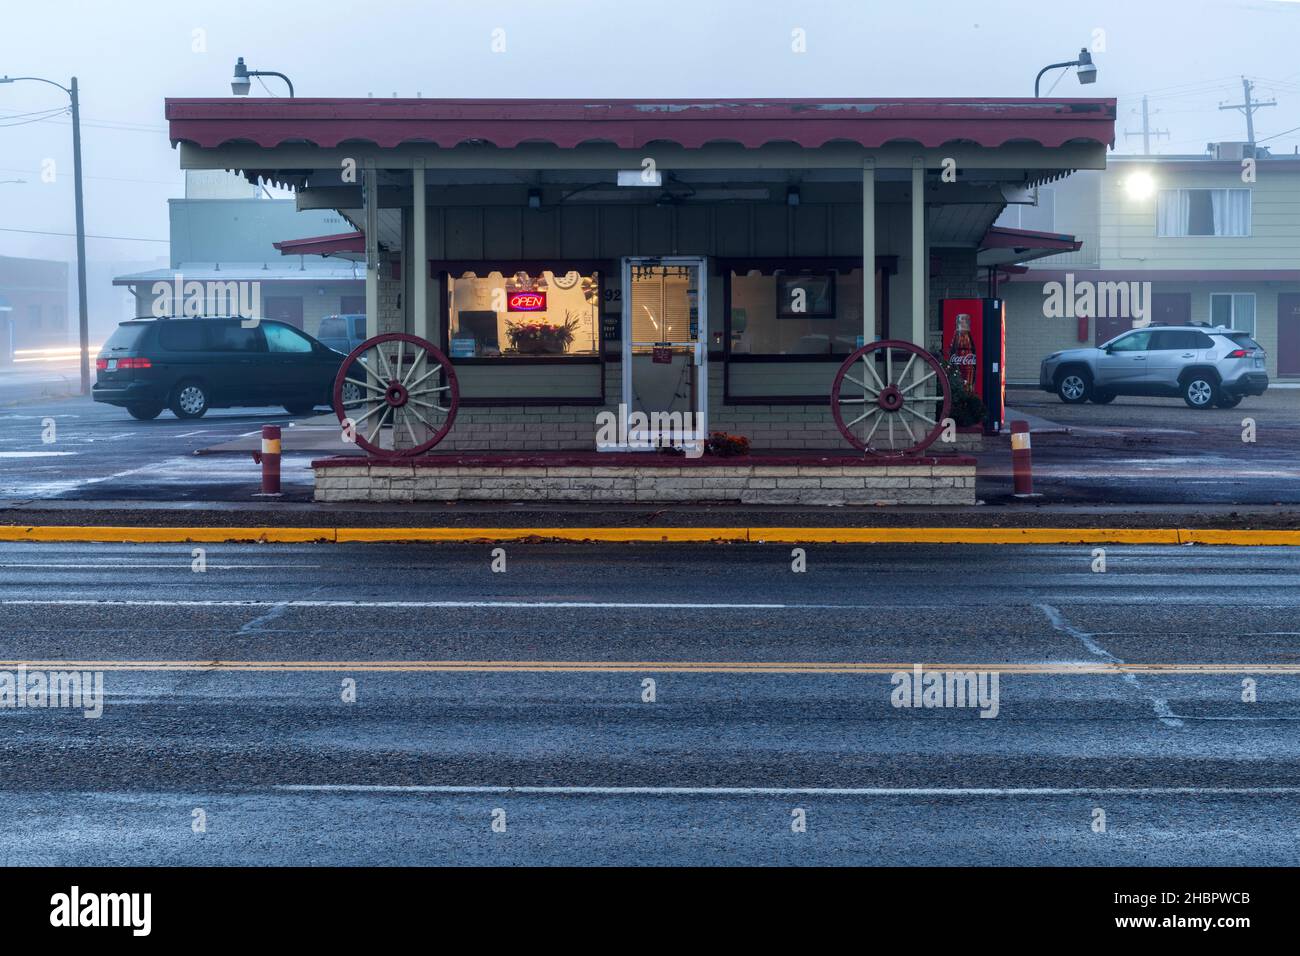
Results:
[398, 392]
[890, 398]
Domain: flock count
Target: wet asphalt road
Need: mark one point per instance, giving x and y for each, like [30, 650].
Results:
[284, 770]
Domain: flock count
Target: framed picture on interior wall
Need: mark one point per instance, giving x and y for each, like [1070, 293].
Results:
[805, 296]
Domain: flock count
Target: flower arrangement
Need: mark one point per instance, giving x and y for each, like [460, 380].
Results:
[727, 446]
[537, 336]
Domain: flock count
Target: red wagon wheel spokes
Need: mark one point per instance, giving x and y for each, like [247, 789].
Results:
[890, 398]
[397, 394]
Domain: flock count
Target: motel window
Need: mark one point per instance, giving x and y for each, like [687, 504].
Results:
[811, 314]
[1203, 212]
[546, 315]
[1233, 310]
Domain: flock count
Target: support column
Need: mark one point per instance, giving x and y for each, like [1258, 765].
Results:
[371, 200]
[918, 253]
[422, 324]
[868, 251]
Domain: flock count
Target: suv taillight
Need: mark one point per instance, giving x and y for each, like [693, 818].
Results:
[1239, 353]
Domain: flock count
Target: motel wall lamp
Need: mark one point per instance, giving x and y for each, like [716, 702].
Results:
[240, 82]
[1087, 69]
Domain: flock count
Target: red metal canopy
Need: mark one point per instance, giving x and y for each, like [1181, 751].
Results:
[322, 245]
[631, 124]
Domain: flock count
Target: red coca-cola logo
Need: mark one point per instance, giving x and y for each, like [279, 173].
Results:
[963, 358]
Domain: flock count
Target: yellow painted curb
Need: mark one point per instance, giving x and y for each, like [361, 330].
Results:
[967, 535]
[1161, 536]
[130, 535]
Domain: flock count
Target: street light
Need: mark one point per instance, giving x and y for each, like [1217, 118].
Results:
[240, 83]
[1087, 70]
[84, 323]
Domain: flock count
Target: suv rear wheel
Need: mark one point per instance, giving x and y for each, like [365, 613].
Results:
[144, 413]
[1199, 391]
[1073, 386]
[190, 400]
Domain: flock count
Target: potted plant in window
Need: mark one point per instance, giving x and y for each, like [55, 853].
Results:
[539, 337]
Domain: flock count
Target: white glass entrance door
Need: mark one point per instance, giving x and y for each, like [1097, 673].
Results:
[665, 354]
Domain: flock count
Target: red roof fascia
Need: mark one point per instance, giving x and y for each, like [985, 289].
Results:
[323, 245]
[1001, 237]
[632, 124]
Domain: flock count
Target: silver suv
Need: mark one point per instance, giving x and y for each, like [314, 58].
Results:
[1203, 366]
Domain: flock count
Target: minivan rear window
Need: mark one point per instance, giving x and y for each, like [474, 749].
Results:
[125, 337]
[233, 337]
[1243, 340]
[180, 336]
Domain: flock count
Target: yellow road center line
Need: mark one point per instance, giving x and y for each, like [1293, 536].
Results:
[929, 535]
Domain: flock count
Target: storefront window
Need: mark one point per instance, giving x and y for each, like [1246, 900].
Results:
[796, 313]
[518, 315]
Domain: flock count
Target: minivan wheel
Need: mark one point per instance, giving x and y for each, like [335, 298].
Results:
[1228, 401]
[1199, 392]
[144, 413]
[190, 400]
[300, 408]
[1073, 388]
[352, 394]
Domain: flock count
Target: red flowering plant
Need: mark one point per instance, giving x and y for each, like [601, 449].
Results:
[727, 446]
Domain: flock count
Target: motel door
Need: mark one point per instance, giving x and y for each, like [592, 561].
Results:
[1288, 334]
[665, 352]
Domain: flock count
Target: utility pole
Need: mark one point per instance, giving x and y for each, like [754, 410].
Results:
[1147, 131]
[1248, 107]
[71, 90]
[83, 325]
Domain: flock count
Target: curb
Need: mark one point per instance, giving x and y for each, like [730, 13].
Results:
[177, 535]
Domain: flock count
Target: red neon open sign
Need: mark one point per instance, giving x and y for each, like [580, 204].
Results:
[526, 302]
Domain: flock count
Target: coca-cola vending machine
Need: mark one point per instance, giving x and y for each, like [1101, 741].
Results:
[974, 340]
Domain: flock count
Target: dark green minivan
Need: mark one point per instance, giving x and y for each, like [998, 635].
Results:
[191, 365]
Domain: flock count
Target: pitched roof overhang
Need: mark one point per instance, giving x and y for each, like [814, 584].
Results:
[631, 124]
[1004, 246]
[343, 242]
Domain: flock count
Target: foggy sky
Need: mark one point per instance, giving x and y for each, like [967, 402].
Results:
[130, 54]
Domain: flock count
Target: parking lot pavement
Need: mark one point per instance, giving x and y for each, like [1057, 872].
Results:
[1133, 451]
[75, 448]
[1156, 451]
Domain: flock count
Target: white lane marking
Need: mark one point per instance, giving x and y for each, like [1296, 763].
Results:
[794, 791]
[201, 431]
[1161, 706]
[77, 602]
[35, 454]
[178, 565]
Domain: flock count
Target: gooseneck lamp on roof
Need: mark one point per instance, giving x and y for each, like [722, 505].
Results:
[1087, 69]
[241, 82]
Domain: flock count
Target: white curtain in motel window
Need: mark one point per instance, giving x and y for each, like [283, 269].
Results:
[1173, 212]
[1231, 211]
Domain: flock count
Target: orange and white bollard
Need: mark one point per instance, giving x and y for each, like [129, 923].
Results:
[1022, 471]
[269, 457]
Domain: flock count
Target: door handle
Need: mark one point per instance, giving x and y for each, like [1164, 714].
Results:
[1139, 358]
[1189, 355]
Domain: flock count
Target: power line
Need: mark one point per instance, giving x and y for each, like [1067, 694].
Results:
[1248, 108]
[43, 232]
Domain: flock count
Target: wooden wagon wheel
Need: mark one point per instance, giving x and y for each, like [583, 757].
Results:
[389, 385]
[895, 397]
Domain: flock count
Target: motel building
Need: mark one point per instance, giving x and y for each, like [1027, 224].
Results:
[707, 264]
